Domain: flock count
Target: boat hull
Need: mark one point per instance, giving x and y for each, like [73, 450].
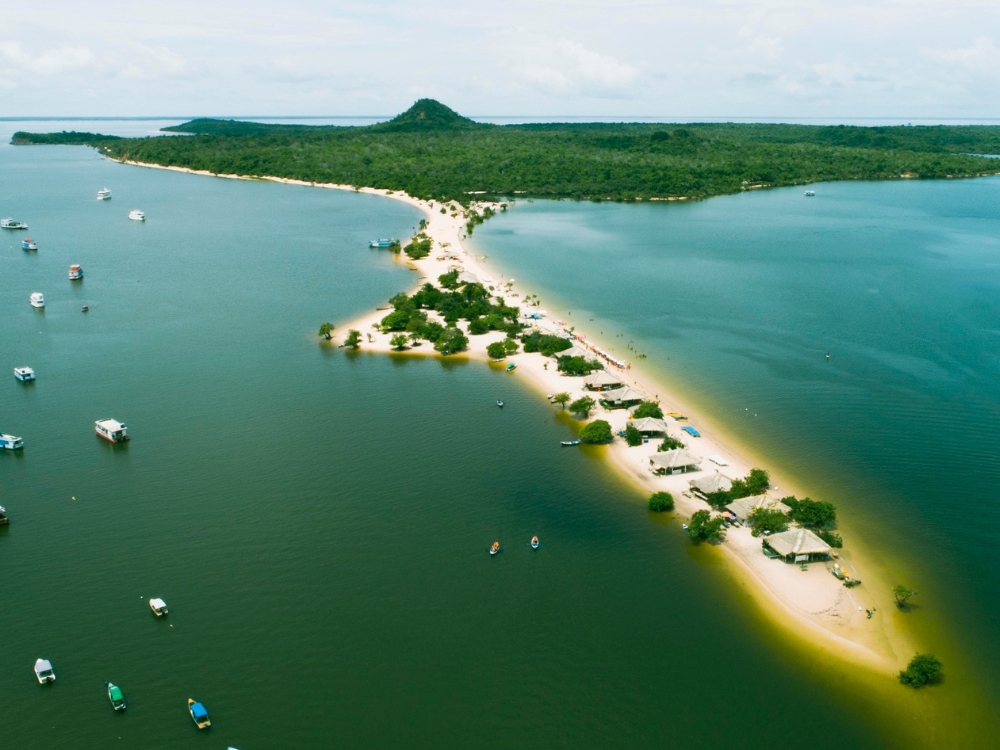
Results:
[110, 439]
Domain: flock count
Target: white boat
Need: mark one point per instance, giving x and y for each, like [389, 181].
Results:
[535, 544]
[9, 223]
[382, 242]
[810, 193]
[111, 430]
[24, 374]
[37, 299]
[159, 607]
[28, 244]
[75, 272]
[103, 194]
[43, 671]
[11, 442]
[136, 215]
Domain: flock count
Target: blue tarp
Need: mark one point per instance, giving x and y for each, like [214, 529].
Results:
[691, 431]
[199, 711]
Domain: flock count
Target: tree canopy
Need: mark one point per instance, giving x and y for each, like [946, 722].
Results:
[703, 527]
[597, 431]
[923, 669]
[660, 502]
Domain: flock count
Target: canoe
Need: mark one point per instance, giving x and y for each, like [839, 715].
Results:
[569, 442]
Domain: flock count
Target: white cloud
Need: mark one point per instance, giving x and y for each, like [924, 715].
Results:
[565, 66]
[48, 62]
[982, 56]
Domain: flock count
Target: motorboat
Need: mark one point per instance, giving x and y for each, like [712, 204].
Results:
[28, 244]
[810, 193]
[111, 430]
[535, 544]
[136, 215]
[383, 242]
[568, 443]
[43, 671]
[199, 714]
[75, 272]
[511, 367]
[11, 442]
[10, 223]
[494, 548]
[85, 308]
[500, 403]
[159, 607]
[3, 516]
[24, 374]
[37, 299]
[103, 194]
[115, 696]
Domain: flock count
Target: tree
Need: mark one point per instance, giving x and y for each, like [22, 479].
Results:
[754, 483]
[648, 409]
[632, 435]
[597, 431]
[582, 406]
[834, 540]
[353, 340]
[496, 350]
[902, 595]
[705, 528]
[398, 341]
[770, 520]
[813, 514]
[923, 669]
[451, 340]
[578, 365]
[326, 331]
[562, 399]
[661, 501]
[669, 444]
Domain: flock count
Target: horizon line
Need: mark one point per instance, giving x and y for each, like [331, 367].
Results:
[553, 118]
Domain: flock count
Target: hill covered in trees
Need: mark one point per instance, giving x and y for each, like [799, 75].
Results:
[430, 151]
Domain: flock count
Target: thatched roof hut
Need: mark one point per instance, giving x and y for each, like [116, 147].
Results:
[673, 462]
[712, 483]
[746, 505]
[798, 545]
[602, 380]
[622, 397]
[649, 426]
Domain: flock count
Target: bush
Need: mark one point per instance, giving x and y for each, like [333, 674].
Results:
[661, 501]
[419, 247]
[705, 528]
[353, 340]
[496, 350]
[813, 514]
[770, 520]
[578, 365]
[546, 344]
[669, 444]
[923, 669]
[326, 330]
[632, 436]
[754, 483]
[449, 280]
[450, 341]
[597, 431]
[582, 406]
[648, 409]
[834, 540]
[398, 342]
[478, 326]
[395, 321]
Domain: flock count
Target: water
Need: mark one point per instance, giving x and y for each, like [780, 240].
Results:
[318, 521]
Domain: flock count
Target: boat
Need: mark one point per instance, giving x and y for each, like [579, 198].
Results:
[28, 244]
[115, 696]
[85, 308]
[136, 215]
[511, 367]
[3, 516]
[75, 272]
[9, 223]
[111, 430]
[159, 607]
[43, 671]
[24, 374]
[383, 242]
[568, 443]
[535, 544]
[691, 431]
[11, 442]
[198, 714]
[810, 193]
[500, 403]
[103, 194]
[37, 299]
[494, 548]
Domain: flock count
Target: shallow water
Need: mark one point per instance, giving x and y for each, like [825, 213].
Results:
[318, 521]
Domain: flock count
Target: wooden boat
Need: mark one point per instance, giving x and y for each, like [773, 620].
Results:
[43, 671]
[199, 714]
[115, 696]
[494, 548]
[535, 544]
[159, 607]
[567, 443]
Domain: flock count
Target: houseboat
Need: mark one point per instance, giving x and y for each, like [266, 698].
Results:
[111, 430]
[103, 194]
[75, 272]
[115, 696]
[9, 223]
[37, 299]
[199, 714]
[159, 607]
[383, 242]
[24, 374]
[43, 671]
[11, 442]
[3, 516]
[28, 244]
[136, 215]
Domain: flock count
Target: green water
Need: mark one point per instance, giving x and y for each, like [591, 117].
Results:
[318, 522]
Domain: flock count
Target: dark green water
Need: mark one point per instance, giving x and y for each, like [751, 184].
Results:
[318, 522]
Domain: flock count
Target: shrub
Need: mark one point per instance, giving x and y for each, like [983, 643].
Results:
[669, 444]
[578, 365]
[834, 540]
[496, 350]
[661, 501]
[450, 341]
[326, 330]
[597, 431]
[902, 595]
[449, 280]
[648, 409]
[546, 344]
[813, 514]
[395, 321]
[419, 247]
[632, 436]
[705, 528]
[582, 406]
[923, 669]
[770, 520]
[353, 340]
[478, 326]
[398, 342]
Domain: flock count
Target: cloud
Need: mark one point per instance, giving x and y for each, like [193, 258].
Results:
[48, 62]
[982, 56]
[567, 67]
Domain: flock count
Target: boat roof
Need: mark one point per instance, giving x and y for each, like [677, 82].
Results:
[110, 424]
[158, 602]
[43, 665]
[198, 710]
[116, 692]
[23, 369]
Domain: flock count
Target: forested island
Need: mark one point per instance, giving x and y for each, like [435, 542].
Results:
[432, 152]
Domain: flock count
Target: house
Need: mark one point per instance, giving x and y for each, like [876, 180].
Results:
[797, 545]
[602, 380]
[703, 486]
[649, 426]
[677, 461]
[622, 398]
[746, 505]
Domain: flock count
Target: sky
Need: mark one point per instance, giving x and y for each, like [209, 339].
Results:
[680, 59]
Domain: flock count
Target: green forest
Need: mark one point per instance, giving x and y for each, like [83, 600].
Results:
[432, 152]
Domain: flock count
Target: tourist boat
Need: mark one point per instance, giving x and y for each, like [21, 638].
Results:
[567, 443]
[24, 374]
[136, 215]
[103, 194]
[159, 607]
[384, 242]
[111, 430]
[11, 442]
[810, 193]
[115, 696]
[37, 299]
[9, 223]
[199, 715]
[43, 671]
[75, 272]
[535, 544]
[28, 244]
[500, 403]
[3, 516]
[494, 548]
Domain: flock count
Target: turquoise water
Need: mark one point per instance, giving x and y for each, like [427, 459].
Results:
[318, 521]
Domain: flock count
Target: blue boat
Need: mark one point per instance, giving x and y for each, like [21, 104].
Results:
[381, 243]
[199, 714]
[691, 431]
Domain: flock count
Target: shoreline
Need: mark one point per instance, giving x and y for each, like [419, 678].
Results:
[812, 605]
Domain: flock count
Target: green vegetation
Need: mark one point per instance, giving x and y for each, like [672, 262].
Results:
[431, 152]
[419, 247]
[669, 444]
[704, 528]
[399, 341]
[62, 138]
[451, 340]
[326, 330]
[770, 520]
[923, 669]
[831, 538]
[648, 409]
[501, 349]
[632, 436]
[661, 501]
[902, 594]
[545, 343]
[754, 483]
[583, 406]
[353, 340]
[562, 399]
[578, 365]
[597, 431]
[813, 514]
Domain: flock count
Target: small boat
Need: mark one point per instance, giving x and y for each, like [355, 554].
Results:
[103, 194]
[115, 696]
[494, 548]
[684, 526]
[535, 544]
[111, 430]
[85, 308]
[28, 244]
[568, 443]
[136, 215]
[511, 367]
[9, 223]
[24, 374]
[500, 403]
[810, 193]
[75, 272]
[11, 442]
[43, 671]
[691, 431]
[3, 516]
[159, 607]
[37, 299]
[199, 715]
[383, 242]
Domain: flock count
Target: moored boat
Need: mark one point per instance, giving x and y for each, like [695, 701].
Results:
[199, 714]
[37, 299]
[111, 430]
[568, 443]
[24, 374]
[103, 194]
[383, 242]
[28, 244]
[535, 544]
[159, 607]
[11, 442]
[4, 520]
[136, 215]
[494, 548]
[511, 367]
[44, 672]
[500, 403]
[9, 223]
[75, 272]
[115, 696]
